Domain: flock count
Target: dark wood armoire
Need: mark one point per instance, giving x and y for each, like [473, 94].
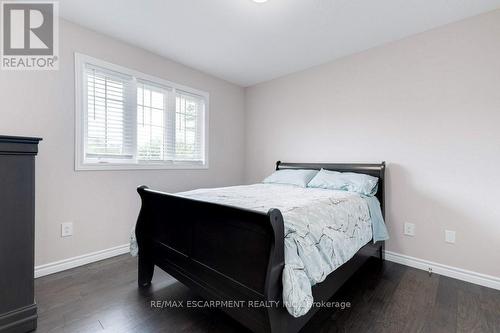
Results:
[18, 311]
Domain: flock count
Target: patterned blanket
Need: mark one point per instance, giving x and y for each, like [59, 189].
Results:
[323, 230]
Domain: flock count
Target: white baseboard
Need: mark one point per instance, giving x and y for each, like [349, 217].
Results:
[85, 259]
[453, 272]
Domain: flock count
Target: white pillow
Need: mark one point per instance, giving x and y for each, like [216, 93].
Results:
[345, 181]
[293, 177]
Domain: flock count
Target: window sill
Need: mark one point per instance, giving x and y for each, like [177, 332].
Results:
[135, 167]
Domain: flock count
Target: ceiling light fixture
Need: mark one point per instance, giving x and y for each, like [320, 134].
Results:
[260, 1]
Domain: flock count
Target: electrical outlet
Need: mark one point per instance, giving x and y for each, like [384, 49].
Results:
[67, 229]
[409, 229]
[449, 236]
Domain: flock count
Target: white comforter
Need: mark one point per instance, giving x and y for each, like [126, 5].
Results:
[323, 230]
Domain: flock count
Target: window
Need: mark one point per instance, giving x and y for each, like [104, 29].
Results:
[129, 120]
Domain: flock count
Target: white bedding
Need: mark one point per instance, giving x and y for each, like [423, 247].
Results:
[323, 230]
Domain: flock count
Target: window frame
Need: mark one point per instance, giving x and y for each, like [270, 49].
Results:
[80, 119]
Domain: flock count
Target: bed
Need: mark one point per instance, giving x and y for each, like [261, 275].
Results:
[235, 256]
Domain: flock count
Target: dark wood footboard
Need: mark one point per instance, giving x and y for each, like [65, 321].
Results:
[231, 254]
[222, 252]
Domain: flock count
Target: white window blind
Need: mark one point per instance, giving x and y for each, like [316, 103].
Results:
[152, 126]
[128, 119]
[188, 144]
[109, 130]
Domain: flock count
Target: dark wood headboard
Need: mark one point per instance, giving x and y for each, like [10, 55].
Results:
[372, 169]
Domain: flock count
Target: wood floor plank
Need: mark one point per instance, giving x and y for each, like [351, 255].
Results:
[490, 303]
[443, 314]
[103, 297]
[366, 292]
[470, 318]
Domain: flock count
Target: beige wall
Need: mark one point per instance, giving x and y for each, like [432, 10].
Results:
[430, 106]
[103, 205]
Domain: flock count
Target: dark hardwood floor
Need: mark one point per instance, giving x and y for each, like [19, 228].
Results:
[103, 297]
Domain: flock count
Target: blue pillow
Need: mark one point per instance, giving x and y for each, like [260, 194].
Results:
[293, 177]
[345, 181]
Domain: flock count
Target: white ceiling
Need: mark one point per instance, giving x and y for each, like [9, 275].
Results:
[247, 43]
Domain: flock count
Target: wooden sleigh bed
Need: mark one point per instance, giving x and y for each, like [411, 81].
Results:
[226, 253]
